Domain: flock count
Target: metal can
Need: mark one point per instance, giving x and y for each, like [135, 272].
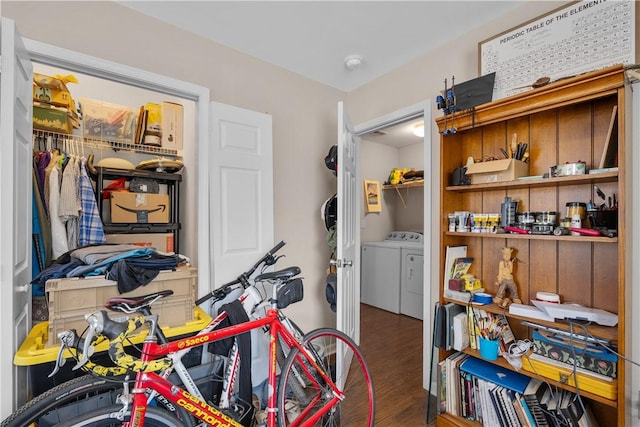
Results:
[577, 208]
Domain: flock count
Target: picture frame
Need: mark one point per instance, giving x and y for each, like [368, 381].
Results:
[555, 45]
[372, 196]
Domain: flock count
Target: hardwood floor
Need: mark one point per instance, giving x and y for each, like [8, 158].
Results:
[392, 346]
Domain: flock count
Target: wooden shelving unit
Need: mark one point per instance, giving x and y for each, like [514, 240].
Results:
[566, 121]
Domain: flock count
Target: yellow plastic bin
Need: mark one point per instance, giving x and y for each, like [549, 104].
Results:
[40, 359]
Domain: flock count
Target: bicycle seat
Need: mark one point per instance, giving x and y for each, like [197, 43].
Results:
[287, 273]
[125, 305]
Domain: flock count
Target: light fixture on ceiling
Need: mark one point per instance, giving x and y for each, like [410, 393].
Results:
[418, 130]
[352, 62]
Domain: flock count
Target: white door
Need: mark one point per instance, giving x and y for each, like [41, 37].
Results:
[348, 233]
[15, 216]
[241, 186]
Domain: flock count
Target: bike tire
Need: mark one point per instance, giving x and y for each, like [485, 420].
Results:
[357, 409]
[67, 400]
[296, 381]
[105, 417]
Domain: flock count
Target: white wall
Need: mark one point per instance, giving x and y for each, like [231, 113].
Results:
[376, 161]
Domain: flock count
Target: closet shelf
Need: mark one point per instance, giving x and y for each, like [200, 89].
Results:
[59, 138]
[408, 184]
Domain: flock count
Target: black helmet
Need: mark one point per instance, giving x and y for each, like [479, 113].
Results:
[329, 212]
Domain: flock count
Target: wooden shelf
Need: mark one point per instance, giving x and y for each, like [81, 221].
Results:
[605, 332]
[397, 187]
[410, 184]
[537, 183]
[576, 239]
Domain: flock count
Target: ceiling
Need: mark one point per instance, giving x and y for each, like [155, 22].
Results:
[313, 38]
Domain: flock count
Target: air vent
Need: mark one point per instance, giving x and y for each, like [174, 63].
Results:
[378, 133]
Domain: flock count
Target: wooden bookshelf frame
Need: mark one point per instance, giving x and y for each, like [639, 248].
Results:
[565, 121]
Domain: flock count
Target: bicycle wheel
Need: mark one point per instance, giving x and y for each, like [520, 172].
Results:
[70, 399]
[339, 358]
[65, 400]
[106, 417]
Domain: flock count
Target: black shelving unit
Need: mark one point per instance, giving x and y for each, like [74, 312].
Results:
[171, 180]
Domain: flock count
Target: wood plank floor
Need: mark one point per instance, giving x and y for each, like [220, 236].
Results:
[392, 346]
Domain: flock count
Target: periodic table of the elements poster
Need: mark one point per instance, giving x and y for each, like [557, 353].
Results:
[581, 37]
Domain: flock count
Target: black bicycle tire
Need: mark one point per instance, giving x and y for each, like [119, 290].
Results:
[292, 358]
[154, 418]
[63, 394]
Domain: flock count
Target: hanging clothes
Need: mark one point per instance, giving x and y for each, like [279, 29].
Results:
[69, 208]
[58, 229]
[43, 220]
[55, 160]
[43, 159]
[90, 229]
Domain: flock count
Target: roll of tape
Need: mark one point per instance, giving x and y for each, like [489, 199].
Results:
[482, 298]
[548, 297]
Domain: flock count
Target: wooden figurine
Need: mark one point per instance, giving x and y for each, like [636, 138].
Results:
[505, 281]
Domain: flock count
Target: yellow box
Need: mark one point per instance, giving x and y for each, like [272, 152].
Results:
[161, 241]
[142, 208]
[172, 125]
[606, 389]
[497, 171]
[53, 90]
[70, 299]
[51, 119]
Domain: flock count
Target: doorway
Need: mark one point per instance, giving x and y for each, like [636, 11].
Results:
[383, 128]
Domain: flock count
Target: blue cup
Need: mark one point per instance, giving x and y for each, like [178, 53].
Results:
[488, 349]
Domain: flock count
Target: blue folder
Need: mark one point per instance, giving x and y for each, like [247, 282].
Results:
[495, 374]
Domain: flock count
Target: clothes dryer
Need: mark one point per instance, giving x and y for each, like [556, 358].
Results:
[392, 269]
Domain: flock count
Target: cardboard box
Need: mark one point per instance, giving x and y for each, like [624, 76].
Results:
[53, 90]
[497, 171]
[51, 119]
[163, 242]
[71, 298]
[141, 208]
[172, 126]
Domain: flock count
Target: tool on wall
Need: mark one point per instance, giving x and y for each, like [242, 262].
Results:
[447, 103]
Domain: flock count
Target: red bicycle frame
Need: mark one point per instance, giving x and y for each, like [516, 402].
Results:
[202, 410]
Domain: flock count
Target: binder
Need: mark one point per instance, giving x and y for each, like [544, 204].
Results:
[444, 335]
[495, 374]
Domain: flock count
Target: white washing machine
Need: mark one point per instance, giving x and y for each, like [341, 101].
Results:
[391, 277]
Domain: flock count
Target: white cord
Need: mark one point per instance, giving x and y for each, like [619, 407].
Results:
[520, 347]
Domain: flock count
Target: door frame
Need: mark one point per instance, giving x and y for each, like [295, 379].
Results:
[431, 251]
[74, 61]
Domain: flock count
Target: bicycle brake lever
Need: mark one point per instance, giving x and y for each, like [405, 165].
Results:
[68, 339]
[95, 324]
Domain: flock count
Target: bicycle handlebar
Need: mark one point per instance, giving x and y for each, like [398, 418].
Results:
[243, 279]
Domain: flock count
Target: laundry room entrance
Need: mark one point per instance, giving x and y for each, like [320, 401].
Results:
[395, 249]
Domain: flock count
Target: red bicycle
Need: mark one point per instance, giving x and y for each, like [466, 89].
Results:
[324, 380]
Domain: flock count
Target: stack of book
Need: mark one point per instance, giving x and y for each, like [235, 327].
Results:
[494, 396]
